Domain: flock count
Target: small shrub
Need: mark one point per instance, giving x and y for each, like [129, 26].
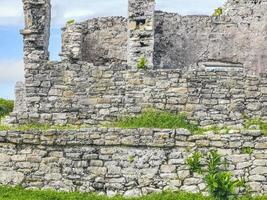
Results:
[194, 162]
[218, 12]
[142, 62]
[6, 106]
[71, 21]
[220, 183]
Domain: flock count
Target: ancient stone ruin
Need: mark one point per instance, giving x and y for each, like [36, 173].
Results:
[213, 68]
[209, 67]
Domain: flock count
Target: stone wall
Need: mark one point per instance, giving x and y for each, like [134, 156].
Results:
[129, 162]
[98, 41]
[79, 92]
[141, 32]
[238, 36]
[180, 41]
[37, 14]
[169, 40]
[82, 93]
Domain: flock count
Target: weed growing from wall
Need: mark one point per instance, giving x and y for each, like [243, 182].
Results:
[142, 62]
[220, 183]
[256, 122]
[247, 150]
[194, 162]
[71, 21]
[218, 12]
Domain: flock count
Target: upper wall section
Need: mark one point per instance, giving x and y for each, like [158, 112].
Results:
[180, 41]
[105, 40]
[97, 41]
[238, 36]
[36, 33]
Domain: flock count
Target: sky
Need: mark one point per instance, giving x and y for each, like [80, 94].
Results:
[11, 21]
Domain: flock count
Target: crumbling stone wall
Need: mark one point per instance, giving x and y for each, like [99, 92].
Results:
[75, 91]
[98, 41]
[86, 94]
[128, 162]
[105, 41]
[238, 36]
[141, 32]
[37, 31]
[169, 40]
[180, 41]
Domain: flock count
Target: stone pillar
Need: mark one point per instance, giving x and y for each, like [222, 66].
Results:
[141, 32]
[37, 31]
[72, 41]
[36, 40]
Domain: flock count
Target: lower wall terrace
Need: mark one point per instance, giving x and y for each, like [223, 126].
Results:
[129, 162]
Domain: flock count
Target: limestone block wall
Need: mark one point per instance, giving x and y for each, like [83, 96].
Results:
[181, 41]
[37, 14]
[98, 41]
[174, 41]
[128, 162]
[140, 32]
[82, 93]
[239, 36]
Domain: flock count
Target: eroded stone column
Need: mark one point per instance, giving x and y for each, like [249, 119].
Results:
[37, 31]
[36, 40]
[141, 32]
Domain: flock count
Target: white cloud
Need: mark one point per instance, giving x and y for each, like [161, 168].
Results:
[11, 11]
[11, 71]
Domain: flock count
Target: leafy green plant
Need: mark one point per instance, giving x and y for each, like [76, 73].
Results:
[71, 21]
[218, 12]
[131, 159]
[142, 62]
[194, 162]
[220, 183]
[221, 186]
[152, 118]
[247, 150]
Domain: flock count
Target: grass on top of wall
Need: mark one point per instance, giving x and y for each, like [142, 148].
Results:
[157, 119]
[17, 193]
[257, 122]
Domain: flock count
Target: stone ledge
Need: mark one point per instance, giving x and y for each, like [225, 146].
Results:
[160, 138]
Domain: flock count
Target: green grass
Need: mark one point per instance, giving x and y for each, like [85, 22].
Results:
[258, 122]
[7, 193]
[17, 193]
[156, 119]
